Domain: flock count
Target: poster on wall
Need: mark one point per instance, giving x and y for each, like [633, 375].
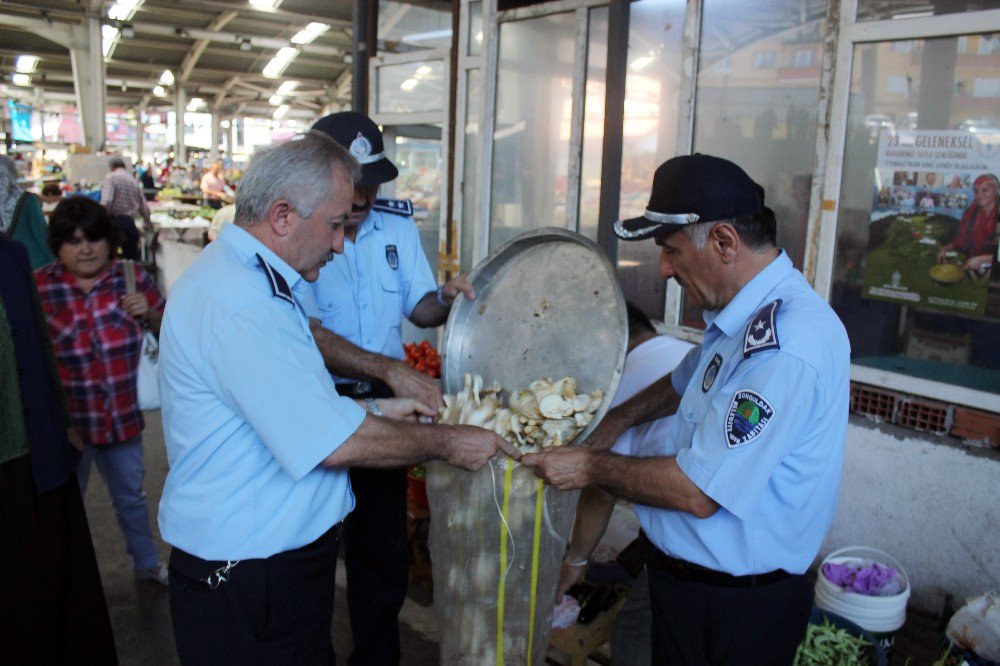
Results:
[934, 220]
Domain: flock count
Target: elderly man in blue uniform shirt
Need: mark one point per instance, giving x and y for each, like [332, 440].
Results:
[257, 437]
[737, 499]
[361, 298]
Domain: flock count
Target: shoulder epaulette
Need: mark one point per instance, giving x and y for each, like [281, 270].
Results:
[762, 333]
[403, 207]
[279, 286]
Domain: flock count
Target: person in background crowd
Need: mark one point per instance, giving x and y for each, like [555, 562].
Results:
[21, 216]
[123, 198]
[166, 171]
[361, 298]
[225, 215]
[146, 180]
[650, 356]
[257, 438]
[737, 499]
[213, 186]
[53, 609]
[96, 327]
[975, 236]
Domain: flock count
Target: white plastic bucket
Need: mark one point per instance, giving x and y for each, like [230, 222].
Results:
[882, 616]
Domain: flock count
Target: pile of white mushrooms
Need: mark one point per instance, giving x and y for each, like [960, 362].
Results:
[545, 414]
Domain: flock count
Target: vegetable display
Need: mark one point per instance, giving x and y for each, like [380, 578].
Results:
[422, 357]
[827, 645]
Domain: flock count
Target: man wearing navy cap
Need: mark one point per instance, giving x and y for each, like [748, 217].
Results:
[736, 501]
[361, 299]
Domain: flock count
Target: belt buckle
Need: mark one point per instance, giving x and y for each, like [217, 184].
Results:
[362, 388]
[220, 575]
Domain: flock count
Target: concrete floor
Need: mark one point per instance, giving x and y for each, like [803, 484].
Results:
[140, 612]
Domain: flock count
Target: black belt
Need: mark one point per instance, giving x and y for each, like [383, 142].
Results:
[364, 389]
[688, 571]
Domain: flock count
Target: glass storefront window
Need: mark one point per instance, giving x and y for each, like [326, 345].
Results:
[411, 87]
[593, 123]
[420, 172]
[470, 175]
[916, 279]
[875, 10]
[649, 135]
[531, 134]
[763, 118]
[408, 27]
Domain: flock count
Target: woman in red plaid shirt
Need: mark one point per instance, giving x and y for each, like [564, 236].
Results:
[96, 327]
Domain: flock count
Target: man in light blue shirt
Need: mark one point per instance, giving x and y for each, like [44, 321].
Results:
[735, 504]
[361, 298]
[257, 438]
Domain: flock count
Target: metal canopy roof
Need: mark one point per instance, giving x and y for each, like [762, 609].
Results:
[216, 49]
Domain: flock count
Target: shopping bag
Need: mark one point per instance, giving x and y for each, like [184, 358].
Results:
[148, 381]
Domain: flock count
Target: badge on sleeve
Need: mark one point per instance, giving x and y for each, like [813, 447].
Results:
[748, 415]
[711, 372]
[391, 257]
[761, 332]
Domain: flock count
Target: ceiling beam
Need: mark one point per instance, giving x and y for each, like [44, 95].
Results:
[191, 59]
[233, 38]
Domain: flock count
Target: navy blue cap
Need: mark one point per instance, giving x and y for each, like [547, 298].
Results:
[361, 136]
[693, 188]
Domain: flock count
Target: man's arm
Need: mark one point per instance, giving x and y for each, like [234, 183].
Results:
[657, 400]
[430, 311]
[657, 482]
[593, 511]
[384, 443]
[348, 360]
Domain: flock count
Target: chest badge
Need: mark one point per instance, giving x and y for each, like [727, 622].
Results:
[391, 257]
[762, 333]
[748, 415]
[711, 372]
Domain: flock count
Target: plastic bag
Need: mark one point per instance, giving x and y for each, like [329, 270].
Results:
[497, 538]
[976, 626]
[148, 388]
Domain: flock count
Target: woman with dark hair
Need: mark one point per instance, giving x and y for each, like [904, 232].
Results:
[96, 312]
[976, 233]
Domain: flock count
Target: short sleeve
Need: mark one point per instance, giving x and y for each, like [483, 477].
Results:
[269, 373]
[761, 412]
[681, 375]
[416, 278]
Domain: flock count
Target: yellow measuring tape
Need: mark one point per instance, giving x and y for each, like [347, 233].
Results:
[508, 479]
[535, 551]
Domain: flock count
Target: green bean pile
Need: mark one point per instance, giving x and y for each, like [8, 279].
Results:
[826, 645]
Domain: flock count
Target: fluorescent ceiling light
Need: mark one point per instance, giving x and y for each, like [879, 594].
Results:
[279, 62]
[281, 111]
[118, 12]
[309, 33]
[131, 4]
[108, 36]
[287, 87]
[276, 100]
[26, 63]
[264, 4]
[195, 104]
[427, 36]
[20, 79]
[286, 53]
[159, 91]
[409, 84]
[167, 78]
[423, 70]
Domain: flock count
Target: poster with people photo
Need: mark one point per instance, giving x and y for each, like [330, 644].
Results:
[933, 233]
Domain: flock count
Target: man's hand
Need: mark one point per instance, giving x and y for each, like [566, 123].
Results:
[470, 447]
[569, 575]
[406, 382]
[404, 409]
[564, 468]
[456, 285]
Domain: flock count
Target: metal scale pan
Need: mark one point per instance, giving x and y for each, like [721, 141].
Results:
[547, 305]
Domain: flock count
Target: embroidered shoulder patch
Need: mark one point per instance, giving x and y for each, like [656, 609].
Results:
[748, 415]
[761, 331]
[402, 207]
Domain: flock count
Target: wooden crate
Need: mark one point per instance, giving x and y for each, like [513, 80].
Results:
[582, 640]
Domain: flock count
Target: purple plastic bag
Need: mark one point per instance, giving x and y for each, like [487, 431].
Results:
[867, 580]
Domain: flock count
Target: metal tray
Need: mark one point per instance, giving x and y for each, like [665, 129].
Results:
[547, 305]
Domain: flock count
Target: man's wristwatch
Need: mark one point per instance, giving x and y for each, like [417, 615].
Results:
[372, 406]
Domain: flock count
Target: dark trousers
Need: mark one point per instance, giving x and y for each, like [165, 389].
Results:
[376, 556]
[52, 608]
[699, 623]
[277, 610]
[129, 234]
